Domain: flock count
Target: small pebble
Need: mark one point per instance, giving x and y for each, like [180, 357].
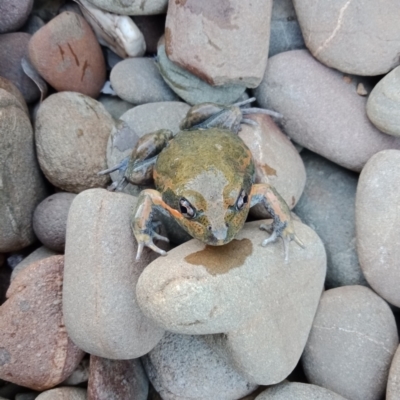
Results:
[131, 7]
[50, 220]
[138, 81]
[63, 393]
[13, 14]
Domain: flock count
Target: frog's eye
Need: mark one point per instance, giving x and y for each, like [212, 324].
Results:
[242, 200]
[186, 209]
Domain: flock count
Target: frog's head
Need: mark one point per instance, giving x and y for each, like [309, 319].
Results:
[213, 208]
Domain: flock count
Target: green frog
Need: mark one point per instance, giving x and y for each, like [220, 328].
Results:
[204, 178]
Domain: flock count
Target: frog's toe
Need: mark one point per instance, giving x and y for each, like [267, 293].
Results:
[148, 242]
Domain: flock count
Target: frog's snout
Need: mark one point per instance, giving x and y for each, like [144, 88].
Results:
[219, 235]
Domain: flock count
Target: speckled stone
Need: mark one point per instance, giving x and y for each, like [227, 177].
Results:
[71, 138]
[298, 391]
[9, 87]
[328, 115]
[13, 14]
[117, 379]
[327, 205]
[360, 38]
[351, 343]
[50, 220]
[184, 367]
[99, 299]
[377, 209]
[43, 359]
[22, 185]
[234, 289]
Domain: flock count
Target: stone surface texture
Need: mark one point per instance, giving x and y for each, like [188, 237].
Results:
[13, 47]
[117, 379]
[99, 298]
[285, 30]
[360, 38]
[351, 344]
[50, 220]
[22, 185]
[232, 289]
[13, 14]
[132, 7]
[68, 56]
[277, 161]
[193, 89]
[322, 110]
[298, 391]
[9, 87]
[37, 255]
[377, 216]
[327, 205]
[63, 393]
[43, 359]
[185, 367]
[138, 81]
[71, 138]
[383, 105]
[221, 43]
[393, 386]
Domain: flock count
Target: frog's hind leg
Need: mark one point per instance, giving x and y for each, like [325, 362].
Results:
[121, 182]
[254, 110]
[282, 225]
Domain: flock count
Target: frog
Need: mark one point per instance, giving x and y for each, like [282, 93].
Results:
[204, 178]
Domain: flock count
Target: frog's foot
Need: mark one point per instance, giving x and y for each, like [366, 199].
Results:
[122, 182]
[146, 239]
[210, 115]
[282, 225]
[281, 231]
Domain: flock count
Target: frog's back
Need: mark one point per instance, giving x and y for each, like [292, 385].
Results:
[191, 153]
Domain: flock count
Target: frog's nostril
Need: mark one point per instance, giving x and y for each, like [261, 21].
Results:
[209, 227]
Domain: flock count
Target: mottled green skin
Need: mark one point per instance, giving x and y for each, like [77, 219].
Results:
[209, 168]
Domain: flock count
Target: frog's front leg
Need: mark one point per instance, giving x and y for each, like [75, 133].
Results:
[142, 220]
[282, 225]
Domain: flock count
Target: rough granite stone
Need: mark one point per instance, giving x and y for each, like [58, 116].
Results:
[43, 359]
[50, 220]
[351, 344]
[138, 81]
[383, 105]
[243, 290]
[378, 229]
[184, 367]
[71, 139]
[222, 43]
[37, 255]
[193, 89]
[298, 391]
[356, 37]
[22, 185]
[117, 379]
[322, 110]
[99, 299]
[327, 205]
